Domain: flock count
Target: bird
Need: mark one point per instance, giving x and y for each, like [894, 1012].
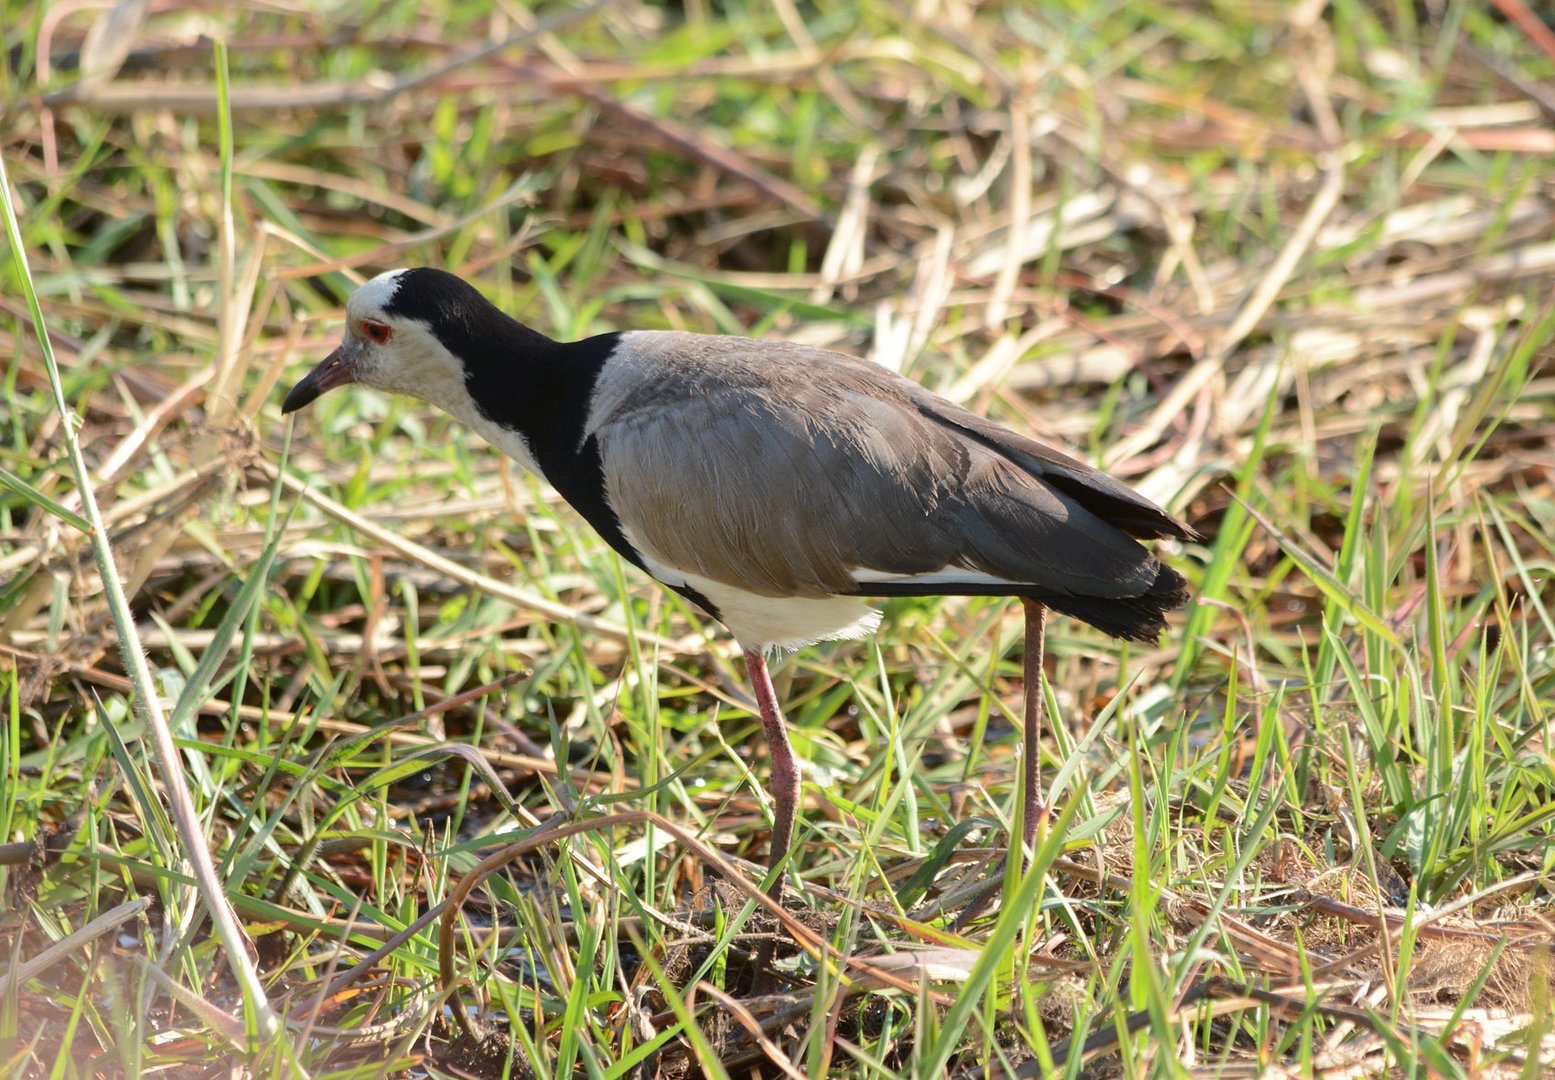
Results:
[777, 486]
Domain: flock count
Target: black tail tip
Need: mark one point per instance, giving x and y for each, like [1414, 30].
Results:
[1132, 618]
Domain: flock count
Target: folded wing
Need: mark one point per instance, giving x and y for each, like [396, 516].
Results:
[799, 472]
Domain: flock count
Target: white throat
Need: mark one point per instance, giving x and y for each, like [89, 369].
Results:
[505, 439]
[424, 368]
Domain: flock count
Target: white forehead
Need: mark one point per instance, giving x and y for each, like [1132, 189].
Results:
[374, 297]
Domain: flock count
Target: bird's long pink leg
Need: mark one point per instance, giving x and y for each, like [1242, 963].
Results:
[1036, 808]
[785, 765]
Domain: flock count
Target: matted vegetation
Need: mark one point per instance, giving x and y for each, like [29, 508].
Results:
[1286, 268]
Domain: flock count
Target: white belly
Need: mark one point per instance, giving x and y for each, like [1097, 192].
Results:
[786, 623]
[769, 622]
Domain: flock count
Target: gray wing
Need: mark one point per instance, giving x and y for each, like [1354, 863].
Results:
[789, 471]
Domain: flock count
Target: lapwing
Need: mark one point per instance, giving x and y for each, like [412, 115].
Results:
[777, 486]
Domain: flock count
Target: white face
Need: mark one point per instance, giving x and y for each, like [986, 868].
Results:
[400, 355]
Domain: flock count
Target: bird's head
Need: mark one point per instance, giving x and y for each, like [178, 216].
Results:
[401, 331]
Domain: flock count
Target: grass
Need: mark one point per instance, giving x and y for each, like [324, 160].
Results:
[1288, 272]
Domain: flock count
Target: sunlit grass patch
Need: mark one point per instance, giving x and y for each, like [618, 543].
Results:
[1292, 278]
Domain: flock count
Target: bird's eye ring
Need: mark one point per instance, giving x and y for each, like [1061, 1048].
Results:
[377, 332]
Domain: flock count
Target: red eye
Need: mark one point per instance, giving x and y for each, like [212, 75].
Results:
[376, 331]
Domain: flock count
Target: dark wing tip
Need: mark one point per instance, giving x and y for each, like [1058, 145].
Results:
[1132, 618]
[1177, 529]
[1121, 506]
